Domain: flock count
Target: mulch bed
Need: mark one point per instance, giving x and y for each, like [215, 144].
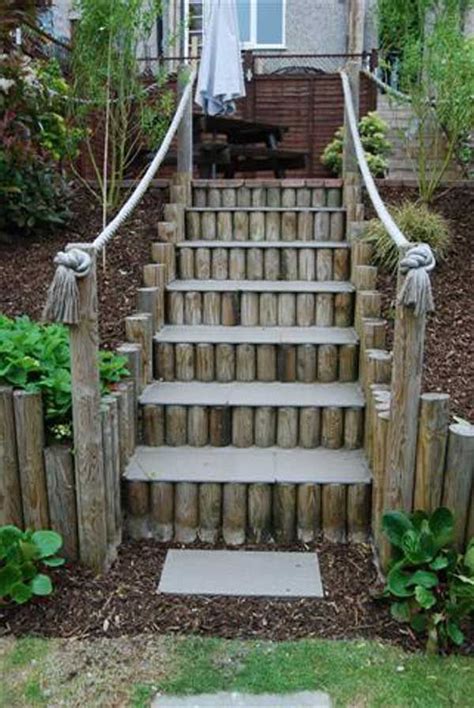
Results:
[125, 602]
[26, 264]
[449, 345]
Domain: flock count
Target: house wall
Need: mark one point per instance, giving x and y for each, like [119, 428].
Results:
[320, 26]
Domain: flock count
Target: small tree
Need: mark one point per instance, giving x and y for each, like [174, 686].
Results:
[111, 99]
[437, 72]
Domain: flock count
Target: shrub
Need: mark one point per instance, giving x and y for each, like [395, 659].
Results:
[21, 555]
[418, 223]
[431, 584]
[373, 132]
[35, 357]
[34, 138]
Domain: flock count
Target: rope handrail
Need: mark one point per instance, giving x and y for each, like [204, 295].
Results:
[418, 259]
[63, 297]
[386, 87]
[382, 211]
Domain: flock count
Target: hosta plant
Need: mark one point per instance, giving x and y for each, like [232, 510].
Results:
[23, 555]
[430, 583]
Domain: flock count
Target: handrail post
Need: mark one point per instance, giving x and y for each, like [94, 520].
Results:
[350, 170]
[185, 135]
[400, 463]
[88, 455]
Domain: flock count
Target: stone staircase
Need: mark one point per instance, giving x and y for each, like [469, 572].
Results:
[253, 425]
[402, 161]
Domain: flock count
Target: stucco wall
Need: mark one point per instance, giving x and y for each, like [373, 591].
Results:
[320, 26]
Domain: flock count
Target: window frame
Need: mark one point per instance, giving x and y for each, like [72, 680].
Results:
[252, 43]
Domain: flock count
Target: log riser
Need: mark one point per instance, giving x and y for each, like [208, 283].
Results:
[239, 513]
[252, 225]
[307, 363]
[244, 426]
[267, 195]
[264, 309]
[264, 264]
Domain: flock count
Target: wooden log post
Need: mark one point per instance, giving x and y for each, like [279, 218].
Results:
[259, 512]
[89, 465]
[458, 477]
[234, 513]
[162, 510]
[431, 450]
[210, 511]
[186, 512]
[30, 441]
[59, 465]
[10, 490]
[408, 343]
[185, 135]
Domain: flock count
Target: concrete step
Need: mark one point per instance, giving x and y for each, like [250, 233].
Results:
[250, 465]
[257, 335]
[286, 354]
[264, 260]
[247, 495]
[260, 286]
[263, 244]
[253, 413]
[236, 394]
[265, 209]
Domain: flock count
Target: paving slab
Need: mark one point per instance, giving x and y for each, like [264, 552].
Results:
[248, 465]
[262, 286]
[240, 393]
[216, 334]
[241, 574]
[303, 699]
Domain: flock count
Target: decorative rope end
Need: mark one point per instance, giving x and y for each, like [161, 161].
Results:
[416, 290]
[62, 304]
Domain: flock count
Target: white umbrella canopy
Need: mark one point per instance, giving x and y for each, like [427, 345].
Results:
[220, 79]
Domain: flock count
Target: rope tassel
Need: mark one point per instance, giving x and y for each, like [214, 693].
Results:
[416, 290]
[62, 304]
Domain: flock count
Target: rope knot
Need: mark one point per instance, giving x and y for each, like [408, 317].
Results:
[416, 292]
[62, 304]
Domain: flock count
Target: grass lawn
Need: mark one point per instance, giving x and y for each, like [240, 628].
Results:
[128, 671]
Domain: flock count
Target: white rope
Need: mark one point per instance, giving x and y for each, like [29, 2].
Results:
[418, 260]
[382, 212]
[386, 87]
[416, 289]
[63, 296]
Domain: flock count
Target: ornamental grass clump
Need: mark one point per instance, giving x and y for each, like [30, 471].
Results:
[430, 584]
[418, 223]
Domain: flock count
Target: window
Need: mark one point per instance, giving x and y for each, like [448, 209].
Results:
[261, 22]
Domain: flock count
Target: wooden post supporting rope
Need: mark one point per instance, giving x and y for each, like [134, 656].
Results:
[408, 343]
[185, 137]
[88, 459]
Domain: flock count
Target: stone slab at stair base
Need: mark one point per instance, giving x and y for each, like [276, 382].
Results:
[241, 574]
[304, 699]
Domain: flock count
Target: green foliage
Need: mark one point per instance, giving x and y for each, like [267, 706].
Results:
[372, 130]
[35, 357]
[418, 223]
[22, 553]
[34, 139]
[110, 92]
[431, 585]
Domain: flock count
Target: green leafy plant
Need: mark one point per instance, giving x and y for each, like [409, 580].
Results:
[34, 140]
[22, 555]
[431, 585]
[35, 357]
[418, 223]
[373, 131]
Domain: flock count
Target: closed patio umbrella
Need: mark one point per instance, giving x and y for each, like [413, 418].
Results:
[220, 79]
